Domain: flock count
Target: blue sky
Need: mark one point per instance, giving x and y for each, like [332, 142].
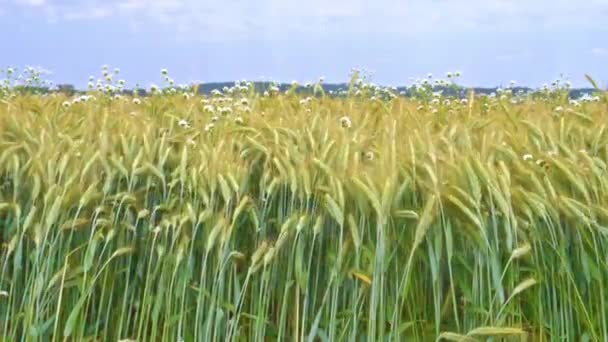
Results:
[490, 42]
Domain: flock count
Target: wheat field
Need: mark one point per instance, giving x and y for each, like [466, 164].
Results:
[250, 216]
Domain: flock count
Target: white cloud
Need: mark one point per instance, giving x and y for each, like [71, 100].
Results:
[598, 51]
[87, 13]
[242, 18]
[514, 56]
[31, 3]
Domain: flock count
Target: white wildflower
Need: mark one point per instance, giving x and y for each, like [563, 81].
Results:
[225, 110]
[136, 101]
[345, 122]
[527, 157]
[184, 123]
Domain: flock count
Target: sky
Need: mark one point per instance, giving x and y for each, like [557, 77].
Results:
[491, 42]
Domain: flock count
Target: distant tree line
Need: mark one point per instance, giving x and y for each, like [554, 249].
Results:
[261, 87]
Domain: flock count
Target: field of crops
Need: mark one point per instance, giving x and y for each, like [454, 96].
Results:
[250, 216]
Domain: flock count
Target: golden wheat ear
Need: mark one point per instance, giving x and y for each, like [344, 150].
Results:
[592, 81]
